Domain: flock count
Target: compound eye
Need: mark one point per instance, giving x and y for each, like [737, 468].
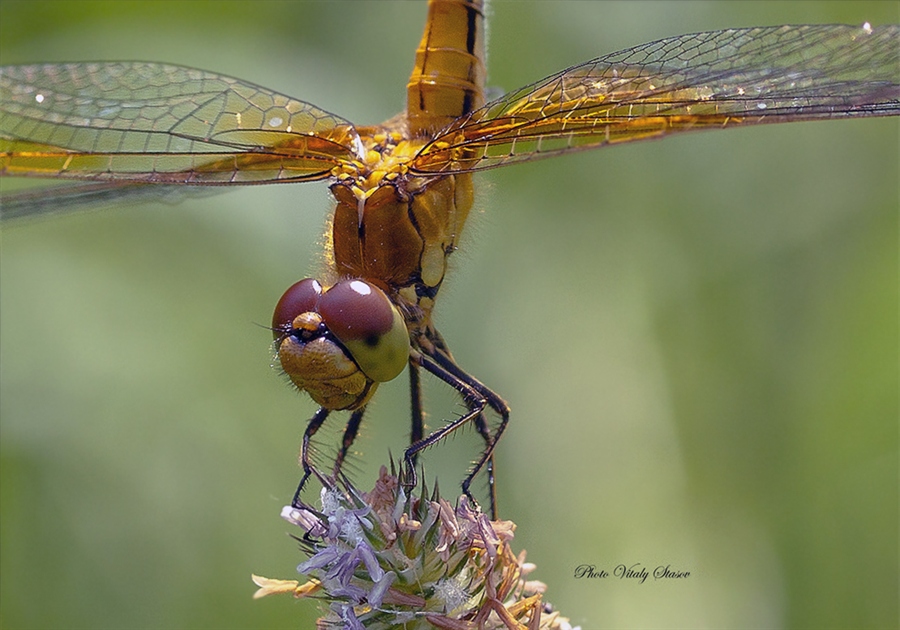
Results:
[300, 298]
[372, 329]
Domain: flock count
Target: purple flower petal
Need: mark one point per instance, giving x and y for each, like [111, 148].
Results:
[353, 593]
[371, 562]
[348, 616]
[376, 595]
[322, 559]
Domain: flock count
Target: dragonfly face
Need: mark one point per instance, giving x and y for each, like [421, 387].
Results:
[403, 190]
[340, 343]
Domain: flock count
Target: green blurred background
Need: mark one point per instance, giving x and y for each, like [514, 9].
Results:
[698, 338]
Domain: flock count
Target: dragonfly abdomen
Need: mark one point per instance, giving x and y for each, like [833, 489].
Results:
[448, 79]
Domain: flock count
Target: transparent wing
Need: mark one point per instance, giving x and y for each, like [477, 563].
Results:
[716, 79]
[156, 123]
[44, 201]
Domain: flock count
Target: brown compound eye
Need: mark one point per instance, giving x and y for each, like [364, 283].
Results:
[372, 329]
[355, 310]
[313, 358]
[301, 297]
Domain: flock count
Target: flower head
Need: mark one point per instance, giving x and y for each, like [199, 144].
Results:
[383, 559]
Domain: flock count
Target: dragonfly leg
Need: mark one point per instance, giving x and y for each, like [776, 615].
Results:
[495, 402]
[350, 432]
[476, 397]
[417, 431]
[314, 424]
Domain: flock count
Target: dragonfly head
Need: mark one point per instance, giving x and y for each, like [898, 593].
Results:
[339, 343]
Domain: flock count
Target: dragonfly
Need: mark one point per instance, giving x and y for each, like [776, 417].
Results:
[403, 189]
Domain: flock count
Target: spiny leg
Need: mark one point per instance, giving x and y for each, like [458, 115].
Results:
[475, 402]
[314, 424]
[417, 431]
[495, 402]
[350, 432]
[418, 425]
[442, 355]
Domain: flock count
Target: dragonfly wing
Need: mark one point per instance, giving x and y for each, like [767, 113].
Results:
[44, 201]
[157, 123]
[704, 80]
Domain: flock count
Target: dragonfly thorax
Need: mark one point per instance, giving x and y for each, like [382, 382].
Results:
[392, 228]
[382, 156]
